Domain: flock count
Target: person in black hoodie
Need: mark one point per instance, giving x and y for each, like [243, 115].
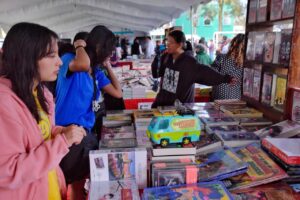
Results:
[179, 72]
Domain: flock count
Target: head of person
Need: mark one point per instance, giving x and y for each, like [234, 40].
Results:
[236, 49]
[30, 57]
[100, 44]
[136, 41]
[176, 41]
[188, 46]
[200, 49]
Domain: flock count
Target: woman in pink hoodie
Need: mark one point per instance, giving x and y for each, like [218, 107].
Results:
[31, 146]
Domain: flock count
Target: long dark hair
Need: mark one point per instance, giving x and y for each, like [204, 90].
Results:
[100, 44]
[25, 44]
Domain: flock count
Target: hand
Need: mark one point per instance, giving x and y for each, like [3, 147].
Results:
[73, 134]
[79, 42]
[106, 62]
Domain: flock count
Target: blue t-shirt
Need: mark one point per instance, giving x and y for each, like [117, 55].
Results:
[74, 95]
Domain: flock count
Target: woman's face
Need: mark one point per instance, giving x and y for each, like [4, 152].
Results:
[49, 65]
[172, 45]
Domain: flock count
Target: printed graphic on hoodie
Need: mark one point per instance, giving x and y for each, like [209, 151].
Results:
[170, 80]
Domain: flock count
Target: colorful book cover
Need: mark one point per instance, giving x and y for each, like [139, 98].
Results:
[285, 47]
[250, 53]
[117, 190]
[262, 11]
[280, 93]
[252, 11]
[282, 129]
[296, 106]
[276, 9]
[273, 191]
[259, 46]
[219, 165]
[119, 164]
[266, 94]
[211, 190]
[247, 81]
[286, 149]
[288, 8]
[256, 84]
[269, 46]
[261, 170]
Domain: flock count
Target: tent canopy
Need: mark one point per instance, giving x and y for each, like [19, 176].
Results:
[70, 16]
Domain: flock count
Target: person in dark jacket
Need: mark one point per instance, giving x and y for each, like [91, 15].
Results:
[136, 47]
[179, 72]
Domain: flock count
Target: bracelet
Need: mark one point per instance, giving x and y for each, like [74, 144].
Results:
[79, 47]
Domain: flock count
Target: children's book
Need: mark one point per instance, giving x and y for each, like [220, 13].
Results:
[286, 149]
[119, 164]
[282, 129]
[261, 170]
[266, 94]
[276, 9]
[211, 190]
[116, 190]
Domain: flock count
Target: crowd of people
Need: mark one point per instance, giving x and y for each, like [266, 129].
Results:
[50, 138]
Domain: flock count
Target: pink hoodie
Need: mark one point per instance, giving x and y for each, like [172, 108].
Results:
[25, 158]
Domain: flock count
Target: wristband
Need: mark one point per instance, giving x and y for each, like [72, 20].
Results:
[79, 47]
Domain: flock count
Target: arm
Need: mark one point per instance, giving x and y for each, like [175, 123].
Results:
[155, 66]
[81, 62]
[114, 89]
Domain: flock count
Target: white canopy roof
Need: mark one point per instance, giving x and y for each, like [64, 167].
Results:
[70, 16]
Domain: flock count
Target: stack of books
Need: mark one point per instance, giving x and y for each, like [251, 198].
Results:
[228, 102]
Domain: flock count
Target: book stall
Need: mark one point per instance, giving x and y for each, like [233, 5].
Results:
[226, 149]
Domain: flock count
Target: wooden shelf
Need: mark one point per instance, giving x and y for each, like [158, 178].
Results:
[269, 112]
[272, 65]
[270, 23]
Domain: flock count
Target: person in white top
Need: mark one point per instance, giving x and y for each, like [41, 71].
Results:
[149, 47]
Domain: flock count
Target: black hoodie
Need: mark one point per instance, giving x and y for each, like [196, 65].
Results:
[177, 79]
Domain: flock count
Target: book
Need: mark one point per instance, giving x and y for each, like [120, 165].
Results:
[285, 47]
[262, 11]
[118, 143]
[247, 82]
[269, 46]
[254, 128]
[261, 169]
[173, 150]
[117, 120]
[210, 190]
[208, 143]
[217, 121]
[250, 52]
[266, 93]
[295, 114]
[276, 9]
[273, 191]
[119, 164]
[277, 47]
[286, 149]
[280, 93]
[256, 83]
[259, 45]
[121, 190]
[144, 115]
[224, 128]
[242, 112]
[222, 102]
[237, 138]
[119, 132]
[288, 8]
[284, 129]
[164, 158]
[252, 11]
[255, 121]
[219, 165]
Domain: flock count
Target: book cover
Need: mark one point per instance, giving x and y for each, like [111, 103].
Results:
[285, 47]
[274, 80]
[276, 9]
[250, 52]
[208, 143]
[256, 84]
[296, 106]
[261, 169]
[119, 164]
[237, 138]
[144, 115]
[255, 121]
[259, 46]
[242, 112]
[274, 191]
[210, 190]
[252, 11]
[119, 132]
[266, 93]
[217, 121]
[219, 165]
[117, 190]
[254, 128]
[247, 82]
[288, 8]
[280, 92]
[277, 47]
[225, 128]
[262, 11]
[282, 129]
[118, 143]
[269, 46]
[164, 158]
[286, 149]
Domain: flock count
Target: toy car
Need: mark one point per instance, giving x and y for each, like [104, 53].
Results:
[165, 130]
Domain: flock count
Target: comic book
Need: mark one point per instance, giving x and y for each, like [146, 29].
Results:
[261, 170]
[116, 190]
[211, 190]
[219, 165]
[119, 164]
